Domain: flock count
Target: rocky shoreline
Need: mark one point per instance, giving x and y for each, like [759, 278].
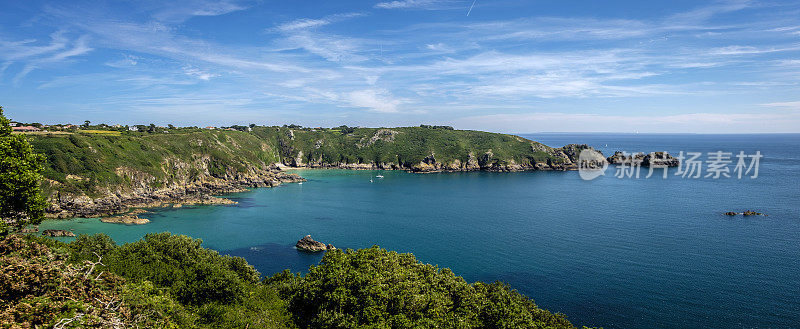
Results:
[115, 203]
[566, 159]
[198, 192]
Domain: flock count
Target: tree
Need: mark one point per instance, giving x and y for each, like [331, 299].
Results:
[152, 128]
[21, 200]
[170, 126]
[376, 288]
[86, 123]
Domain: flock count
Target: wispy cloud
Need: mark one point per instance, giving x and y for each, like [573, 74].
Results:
[784, 105]
[181, 10]
[595, 122]
[378, 100]
[199, 74]
[410, 4]
[309, 23]
[448, 66]
[56, 52]
[25, 49]
[704, 13]
[127, 61]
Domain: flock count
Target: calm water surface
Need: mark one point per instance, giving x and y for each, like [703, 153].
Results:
[617, 253]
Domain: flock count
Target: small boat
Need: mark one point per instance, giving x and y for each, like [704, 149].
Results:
[370, 180]
[301, 183]
[379, 176]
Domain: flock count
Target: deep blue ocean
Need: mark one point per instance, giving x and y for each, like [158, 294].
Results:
[611, 252]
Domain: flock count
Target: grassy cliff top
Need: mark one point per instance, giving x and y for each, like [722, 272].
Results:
[87, 160]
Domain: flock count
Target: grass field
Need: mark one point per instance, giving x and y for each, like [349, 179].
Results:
[102, 132]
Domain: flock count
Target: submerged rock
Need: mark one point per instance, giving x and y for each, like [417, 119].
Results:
[309, 244]
[57, 233]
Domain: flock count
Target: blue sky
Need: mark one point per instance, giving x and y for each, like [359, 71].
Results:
[504, 65]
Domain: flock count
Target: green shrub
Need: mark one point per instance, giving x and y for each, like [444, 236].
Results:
[194, 275]
[375, 288]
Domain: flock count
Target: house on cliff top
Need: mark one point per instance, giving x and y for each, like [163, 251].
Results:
[26, 129]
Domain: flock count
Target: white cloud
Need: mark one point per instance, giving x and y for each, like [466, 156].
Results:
[126, 61]
[378, 100]
[450, 67]
[592, 122]
[199, 74]
[26, 49]
[308, 23]
[331, 47]
[407, 4]
[704, 13]
[58, 55]
[784, 105]
[750, 50]
[180, 11]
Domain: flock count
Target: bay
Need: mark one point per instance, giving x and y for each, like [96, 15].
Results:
[611, 252]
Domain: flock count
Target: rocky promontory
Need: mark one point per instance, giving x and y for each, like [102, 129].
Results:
[541, 158]
[310, 245]
[122, 199]
[654, 159]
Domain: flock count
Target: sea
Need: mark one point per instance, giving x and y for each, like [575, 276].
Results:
[617, 251]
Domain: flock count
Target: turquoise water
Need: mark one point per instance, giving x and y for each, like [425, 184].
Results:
[617, 253]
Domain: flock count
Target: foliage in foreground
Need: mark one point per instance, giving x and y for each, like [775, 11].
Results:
[170, 281]
[21, 202]
[39, 287]
[375, 288]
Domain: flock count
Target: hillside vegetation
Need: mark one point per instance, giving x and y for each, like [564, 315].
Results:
[102, 164]
[169, 281]
[91, 162]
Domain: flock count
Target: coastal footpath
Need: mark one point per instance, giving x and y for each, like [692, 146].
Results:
[102, 175]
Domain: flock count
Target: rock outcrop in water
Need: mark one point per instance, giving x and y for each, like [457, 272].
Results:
[309, 244]
[745, 213]
[645, 160]
[58, 233]
[127, 219]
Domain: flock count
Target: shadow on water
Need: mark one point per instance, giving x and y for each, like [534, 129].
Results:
[271, 258]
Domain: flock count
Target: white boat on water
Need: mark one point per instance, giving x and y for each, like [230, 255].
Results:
[379, 176]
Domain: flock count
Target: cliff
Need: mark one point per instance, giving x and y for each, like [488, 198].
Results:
[93, 175]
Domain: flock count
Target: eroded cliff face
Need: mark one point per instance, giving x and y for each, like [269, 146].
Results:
[187, 183]
[565, 158]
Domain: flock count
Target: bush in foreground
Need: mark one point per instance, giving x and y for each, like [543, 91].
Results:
[170, 281]
[375, 288]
